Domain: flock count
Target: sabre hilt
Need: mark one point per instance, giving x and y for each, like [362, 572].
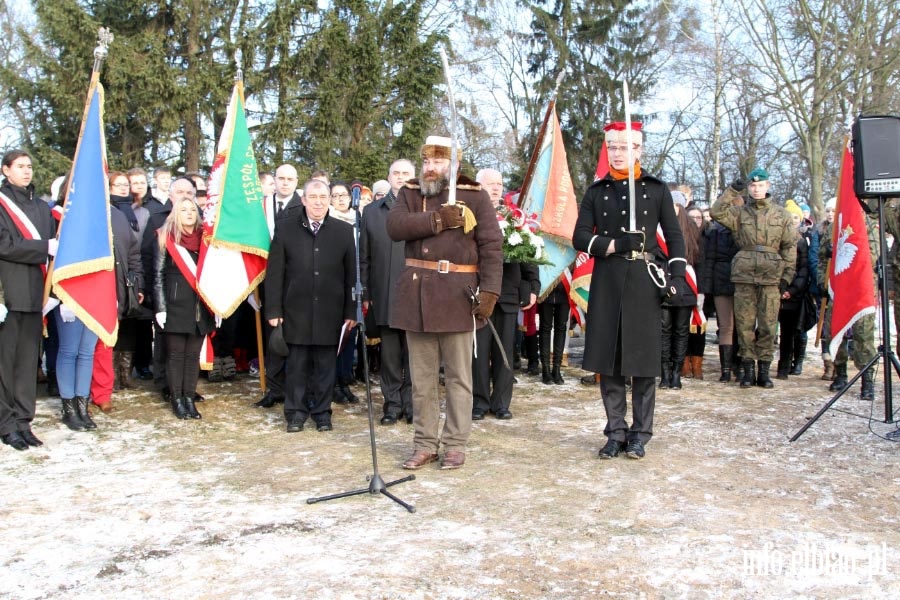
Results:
[639, 253]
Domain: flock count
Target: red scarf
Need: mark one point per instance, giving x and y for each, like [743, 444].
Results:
[191, 241]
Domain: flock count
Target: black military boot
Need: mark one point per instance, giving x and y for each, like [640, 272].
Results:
[546, 377]
[762, 374]
[868, 386]
[531, 353]
[840, 378]
[749, 379]
[725, 363]
[556, 373]
[738, 368]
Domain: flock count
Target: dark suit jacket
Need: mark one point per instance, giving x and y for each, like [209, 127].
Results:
[519, 282]
[310, 277]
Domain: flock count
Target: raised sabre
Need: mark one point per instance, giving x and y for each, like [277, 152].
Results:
[451, 196]
[629, 137]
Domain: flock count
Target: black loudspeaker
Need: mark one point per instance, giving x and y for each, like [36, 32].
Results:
[876, 156]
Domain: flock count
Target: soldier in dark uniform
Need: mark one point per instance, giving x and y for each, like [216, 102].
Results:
[623, 336]
[761, 271]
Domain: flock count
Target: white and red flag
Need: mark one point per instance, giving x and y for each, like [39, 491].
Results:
[851, 284]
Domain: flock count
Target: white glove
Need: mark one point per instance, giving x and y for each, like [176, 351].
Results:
[67, 314]
[161, 319]
[218, 321]
[3, 312]
[52, 246]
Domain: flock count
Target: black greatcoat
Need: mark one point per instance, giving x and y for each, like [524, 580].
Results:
[309, 279]
[624, 319]
[381, 259]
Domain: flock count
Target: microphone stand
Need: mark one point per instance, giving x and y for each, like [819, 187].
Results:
[377, 485]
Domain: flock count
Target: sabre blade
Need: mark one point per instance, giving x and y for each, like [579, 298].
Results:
[632, 220]
[451, 196]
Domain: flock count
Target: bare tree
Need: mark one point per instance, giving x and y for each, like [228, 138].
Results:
[816, 62]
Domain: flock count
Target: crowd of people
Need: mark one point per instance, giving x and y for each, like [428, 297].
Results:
[441, 307]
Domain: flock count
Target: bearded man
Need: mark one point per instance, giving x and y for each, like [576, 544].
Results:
[450, 250]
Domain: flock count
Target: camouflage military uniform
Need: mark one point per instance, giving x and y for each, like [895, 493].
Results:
[863, 331]
[767, 242]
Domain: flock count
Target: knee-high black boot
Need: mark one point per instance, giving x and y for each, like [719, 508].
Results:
[725, 363]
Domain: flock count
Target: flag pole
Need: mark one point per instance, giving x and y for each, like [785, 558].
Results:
[104, 38]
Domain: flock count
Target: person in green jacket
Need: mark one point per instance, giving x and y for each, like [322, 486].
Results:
[760, 271]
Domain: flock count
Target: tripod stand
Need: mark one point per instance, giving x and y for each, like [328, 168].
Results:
[884, 350]
[376, 483]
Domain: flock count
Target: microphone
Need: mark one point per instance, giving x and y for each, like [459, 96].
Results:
[355, 192]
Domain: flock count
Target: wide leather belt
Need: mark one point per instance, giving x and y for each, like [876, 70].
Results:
[441, 266]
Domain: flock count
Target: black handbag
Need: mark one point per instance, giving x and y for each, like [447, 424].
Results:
[809, 316]
[133, 308]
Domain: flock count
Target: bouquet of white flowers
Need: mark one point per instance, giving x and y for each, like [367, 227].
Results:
[521, 241]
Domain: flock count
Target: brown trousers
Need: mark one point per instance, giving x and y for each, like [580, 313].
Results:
[427, 352]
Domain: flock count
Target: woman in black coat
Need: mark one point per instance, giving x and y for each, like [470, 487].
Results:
[181, 314]
[792, 295]
[677, 309]
[714, 279]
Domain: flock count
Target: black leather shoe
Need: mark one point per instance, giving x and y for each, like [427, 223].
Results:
[503, 414]
[15, 440]
[198, 397]
[612, 449]
[268, 401]
[295, 424]
[144, 374]
[388, 420]
[409, 418]
[635, 449]
[30, 438]
[166, 394]
[324, 427]
[349, 395]
[477, 415]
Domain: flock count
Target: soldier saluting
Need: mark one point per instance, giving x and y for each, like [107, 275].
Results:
[761, 270]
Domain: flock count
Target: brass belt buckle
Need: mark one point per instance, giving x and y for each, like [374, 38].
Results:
[443, 266]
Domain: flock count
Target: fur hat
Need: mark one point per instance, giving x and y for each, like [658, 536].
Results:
[438, 146]
[831, 204]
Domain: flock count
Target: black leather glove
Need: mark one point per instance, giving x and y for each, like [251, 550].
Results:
[739, 185]
[448, 217]
[630, 242]
[484, 305]
[677, 268]
[783, 286]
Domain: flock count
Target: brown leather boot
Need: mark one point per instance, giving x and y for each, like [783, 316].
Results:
[697, 367]
[686, 368]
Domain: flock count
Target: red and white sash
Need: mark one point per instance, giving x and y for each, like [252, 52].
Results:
[188, 269]
[698, 319]
[22, 222]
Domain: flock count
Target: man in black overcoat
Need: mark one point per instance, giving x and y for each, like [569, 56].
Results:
[622, 339]
[381, 261]
[309, 281]
[492, 380]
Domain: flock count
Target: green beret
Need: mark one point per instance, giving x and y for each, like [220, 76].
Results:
[759, 174]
